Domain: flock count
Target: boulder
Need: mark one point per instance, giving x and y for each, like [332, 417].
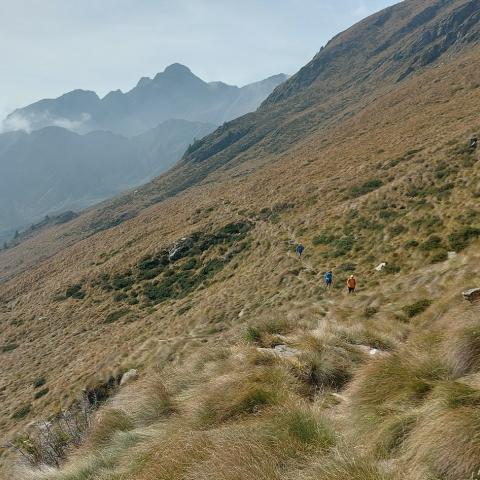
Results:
[128, 376]
[381, 266]
[285, 351]
[472, 295]
[452, 255]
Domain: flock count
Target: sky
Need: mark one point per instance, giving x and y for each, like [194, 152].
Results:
[49, 47]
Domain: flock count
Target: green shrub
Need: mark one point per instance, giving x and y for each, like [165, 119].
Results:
[120, 282]
[391, 268]
[39, 382]
[343, 245]
[416, 308]
[439, 256]
[75, 291]
[40, 393]
[431, 243]
[397, 230]
[365, 188]
[323, 239]
[114, 316]
[370, 311]
[8, 347]
[252, 334]
[22, 412]
[411, 244]
[460, 239]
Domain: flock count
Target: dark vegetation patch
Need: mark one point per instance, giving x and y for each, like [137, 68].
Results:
[416, 308]
[364, 188]
[8, 347]
[117, 315]
[174, 272]
[40, 393]
[22, 412]
[460, 239]
[39, 382]
[75, 291]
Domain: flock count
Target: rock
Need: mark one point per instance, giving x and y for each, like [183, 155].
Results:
[380, 267]
[128, 376]
[286, 351]
[452, 255]
[373, 351]
[472, 295]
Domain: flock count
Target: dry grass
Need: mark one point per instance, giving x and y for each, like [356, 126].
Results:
[215, 407]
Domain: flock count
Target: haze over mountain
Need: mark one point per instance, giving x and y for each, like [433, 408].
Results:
[216, 351]
[74, 155]
[175, 93]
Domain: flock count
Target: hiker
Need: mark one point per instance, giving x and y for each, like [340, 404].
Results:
[328, 278]
[299, 250]
[473, 143]
[351, 284]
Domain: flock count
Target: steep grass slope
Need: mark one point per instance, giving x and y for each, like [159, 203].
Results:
[196, 290]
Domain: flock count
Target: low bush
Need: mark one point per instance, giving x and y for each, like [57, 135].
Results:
[75, 291]
[22, 412]
[365, 188]
[39, 382]
[116, 315]
[431, 243]
[411, 244]
[460, 239]
[8, 347]
[40, 393]
[416, 308]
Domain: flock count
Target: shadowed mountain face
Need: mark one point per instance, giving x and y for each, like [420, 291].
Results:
[175, 93]
[352, 70]
[53, 169]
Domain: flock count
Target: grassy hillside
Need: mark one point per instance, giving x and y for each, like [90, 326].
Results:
[248, 368]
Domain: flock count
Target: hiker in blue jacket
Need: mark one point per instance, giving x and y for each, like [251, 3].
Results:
[328, 278]
[299, 249]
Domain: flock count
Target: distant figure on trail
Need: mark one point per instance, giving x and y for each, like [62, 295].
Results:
[299, 249]
[328, 279]
[351, 284]
[473, 143]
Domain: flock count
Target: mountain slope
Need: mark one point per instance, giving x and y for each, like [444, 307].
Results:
[249, 368]
[175, 93]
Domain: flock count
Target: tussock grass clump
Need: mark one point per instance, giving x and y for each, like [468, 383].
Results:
[302, 429]
[244, 394]
[447, 442]
[347, 467]
[464, 351]
[108, 423]
[386, 394]
[266, 332]
[327, 362]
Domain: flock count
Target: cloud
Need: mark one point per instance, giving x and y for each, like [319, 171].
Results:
[33, 121]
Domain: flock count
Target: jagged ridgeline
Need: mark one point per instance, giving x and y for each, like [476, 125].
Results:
[217, 348]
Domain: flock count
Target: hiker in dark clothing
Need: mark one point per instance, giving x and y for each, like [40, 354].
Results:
[299, 249]
[473, 143]
[328, 279]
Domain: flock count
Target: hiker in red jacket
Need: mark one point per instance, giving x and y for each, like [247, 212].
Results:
[351, 284]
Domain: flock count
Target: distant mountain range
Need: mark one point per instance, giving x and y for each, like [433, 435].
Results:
[70, 152]
[175, 93]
